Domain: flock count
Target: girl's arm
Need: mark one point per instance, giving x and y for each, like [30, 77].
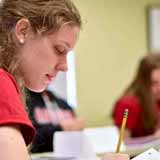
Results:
[12, 145]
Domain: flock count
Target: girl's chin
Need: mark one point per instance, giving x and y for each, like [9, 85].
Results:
[36, 89]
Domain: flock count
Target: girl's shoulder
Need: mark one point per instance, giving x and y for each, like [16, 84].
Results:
[7, 80]
[128, 98]
[128, 101]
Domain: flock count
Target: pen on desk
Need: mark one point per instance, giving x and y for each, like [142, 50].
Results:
[121, 135]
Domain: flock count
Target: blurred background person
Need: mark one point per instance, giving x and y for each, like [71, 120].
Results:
[49, 114]
[142, 98]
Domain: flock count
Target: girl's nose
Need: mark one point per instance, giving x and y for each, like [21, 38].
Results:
[62, 65]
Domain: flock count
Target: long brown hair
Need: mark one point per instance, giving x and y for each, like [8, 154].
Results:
[141, 87]
[44, 16]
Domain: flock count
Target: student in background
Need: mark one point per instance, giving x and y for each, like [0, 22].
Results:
[142, 98]
[50, 114]
[35, 37]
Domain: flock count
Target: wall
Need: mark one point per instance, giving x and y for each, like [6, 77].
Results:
[113, 38]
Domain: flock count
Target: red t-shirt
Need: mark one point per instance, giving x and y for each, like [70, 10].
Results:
[134, 121]
[12, 110]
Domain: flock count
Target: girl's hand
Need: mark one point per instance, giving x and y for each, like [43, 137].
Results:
[115, 156]
[72, 124]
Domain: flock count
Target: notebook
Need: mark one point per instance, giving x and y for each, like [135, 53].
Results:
[150, 154]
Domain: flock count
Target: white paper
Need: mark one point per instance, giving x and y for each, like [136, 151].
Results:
[104, 139]
[150, 154]
[73, 144]
[60, 158]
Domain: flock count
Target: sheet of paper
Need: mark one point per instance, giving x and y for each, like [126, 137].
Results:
[53, 158]
[60, 158]
[73, 144]
[104, 139]
[150, 154]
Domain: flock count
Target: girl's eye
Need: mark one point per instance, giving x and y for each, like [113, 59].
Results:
[58, 51]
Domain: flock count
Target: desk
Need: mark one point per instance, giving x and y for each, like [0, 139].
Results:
[132, 150]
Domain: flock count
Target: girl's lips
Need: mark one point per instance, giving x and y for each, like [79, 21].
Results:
[50, 77]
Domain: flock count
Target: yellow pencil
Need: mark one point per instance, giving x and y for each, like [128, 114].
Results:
[121, 135]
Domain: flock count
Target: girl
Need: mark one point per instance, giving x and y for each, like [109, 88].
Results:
[142, 98]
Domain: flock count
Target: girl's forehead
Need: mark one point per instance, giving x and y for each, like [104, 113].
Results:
[66, 34]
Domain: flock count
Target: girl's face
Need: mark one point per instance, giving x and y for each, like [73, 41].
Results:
[44, 56]
[155, 83]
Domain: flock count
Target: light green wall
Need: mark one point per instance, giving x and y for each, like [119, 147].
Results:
[113, 38]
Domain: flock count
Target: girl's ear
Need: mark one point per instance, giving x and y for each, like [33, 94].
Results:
[22, 30]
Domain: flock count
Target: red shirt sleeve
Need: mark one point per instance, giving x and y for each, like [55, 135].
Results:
[12, 111]
[131, 103]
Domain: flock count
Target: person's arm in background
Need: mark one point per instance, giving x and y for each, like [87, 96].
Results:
[73, 122]
[12, 144]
